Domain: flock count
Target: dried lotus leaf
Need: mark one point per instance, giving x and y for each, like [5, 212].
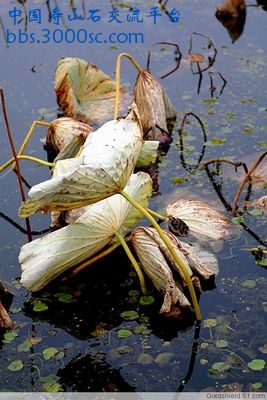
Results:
[63, 130]
[103, 168]
[83, 91]
[45, 258]
[201, 219]
[153, 105]
[157, 269]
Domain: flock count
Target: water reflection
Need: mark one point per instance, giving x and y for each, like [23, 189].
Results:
[233, 19]
[92, 374]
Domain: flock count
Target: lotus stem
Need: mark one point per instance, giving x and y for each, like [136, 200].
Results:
[12, 146]
[29, 158]
[29, 135]
[171, 250]
[91, 261]
[118, 79]
[155, 214]
[133, 261]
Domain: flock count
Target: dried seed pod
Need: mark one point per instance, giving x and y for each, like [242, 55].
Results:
[178, 227]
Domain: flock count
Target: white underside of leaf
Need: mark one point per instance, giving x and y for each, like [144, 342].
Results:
[103, 169]
[47, 257]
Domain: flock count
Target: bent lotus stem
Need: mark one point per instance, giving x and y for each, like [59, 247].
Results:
[29, 135]
[29, 158]
[118, 78]
[171, 250]
[133, 261]
[92, 260]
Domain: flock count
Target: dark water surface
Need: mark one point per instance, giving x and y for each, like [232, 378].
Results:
[75, 346]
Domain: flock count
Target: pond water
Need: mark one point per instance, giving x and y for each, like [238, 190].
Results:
[75, 343]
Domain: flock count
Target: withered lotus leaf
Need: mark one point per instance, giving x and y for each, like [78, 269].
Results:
[176, 244]
[83, 91]
[148, 153]
[45, 258]
[158, 271]
[103, 168]
[154, 107]
[201, 218]
[62, 131]
[202, 262]
[141, 190]
[261, 203]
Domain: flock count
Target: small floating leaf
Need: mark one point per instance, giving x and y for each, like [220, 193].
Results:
[24, 347]
[220, 367]
[65, 298]
[15, 310]
[238, 220]
[9, 336]
[124, 349]
[144, 319]
[179, 180]
[15, 366]
[129, 315]
[141, 330]
[39, 306]
[249, 283]
[262, 144]
[134, 293]
[50, 352]
[146, 300]
[163, 358]
[256, 385]
[257, 364]
[124, 333]
[145, 359]
[255, 212]
[231, 115]
[221, 343]
[216, 141]
[52, 388]
[209, 323]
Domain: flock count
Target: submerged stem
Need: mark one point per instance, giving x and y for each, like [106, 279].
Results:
[118, 78]
[133, 261]
[29, 158]
[171, 250]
